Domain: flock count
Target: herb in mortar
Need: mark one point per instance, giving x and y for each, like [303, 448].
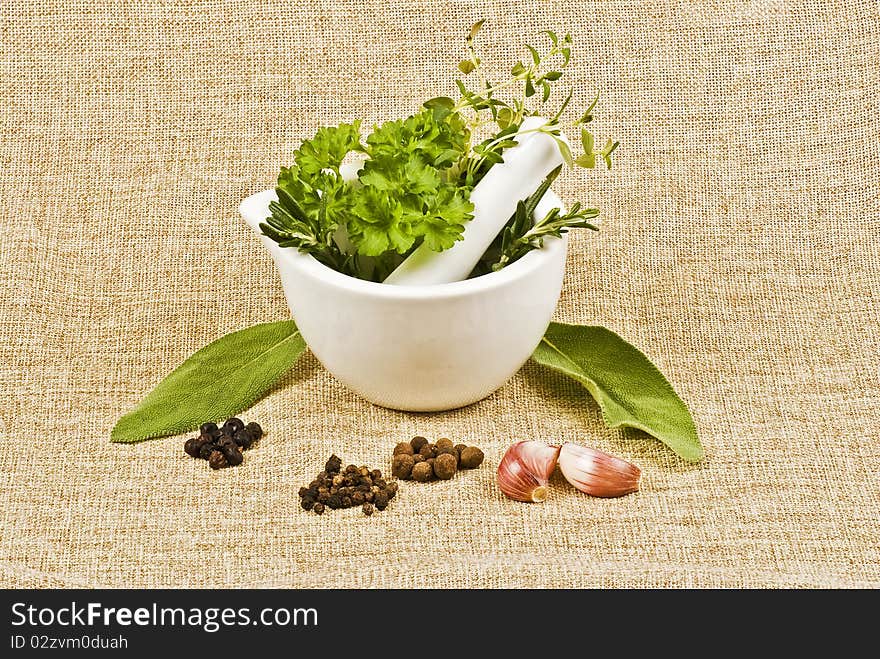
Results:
[416, 176]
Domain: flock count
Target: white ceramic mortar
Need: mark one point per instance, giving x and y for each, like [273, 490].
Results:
[420, 348]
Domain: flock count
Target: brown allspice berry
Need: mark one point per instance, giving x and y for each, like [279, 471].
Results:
[471, 458]
[427, 451]
[445, 466]
[443, 443]
[417, 443]
[217, 460]
[402, 466]
[417, 458]
[403, 447]
[422, 472]
[458, 449]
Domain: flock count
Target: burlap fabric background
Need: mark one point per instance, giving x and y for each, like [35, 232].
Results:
[739, 249]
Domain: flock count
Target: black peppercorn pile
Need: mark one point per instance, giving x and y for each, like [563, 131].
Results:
[422, 461]
[346, 488]
[223, 446]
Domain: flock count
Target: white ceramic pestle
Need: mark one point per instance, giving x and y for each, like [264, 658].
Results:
[494, 198]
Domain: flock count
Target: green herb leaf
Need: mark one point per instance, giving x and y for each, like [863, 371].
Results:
[466, 66]
[587, 117]
[565, 150]
[552, 35]
[216, 382]
[587, 140]
[536, 58]
[545, 87]
[475, 29]
[629, 389]
[587, 160]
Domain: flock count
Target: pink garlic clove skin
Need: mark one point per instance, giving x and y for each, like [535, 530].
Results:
[597, 473]
[525, 470]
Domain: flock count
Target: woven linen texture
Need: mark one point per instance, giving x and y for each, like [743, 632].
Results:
[739, 248]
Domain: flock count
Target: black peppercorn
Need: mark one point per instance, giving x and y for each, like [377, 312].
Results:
[233, 455]
[334, 464]
[243, 438]
[255, 430]
[207, 428]
[233, 425]
[217, 460]
[318, 508]
[368, 509]
[192, 446]
[206, 450]
[381, 500]
[354, 486]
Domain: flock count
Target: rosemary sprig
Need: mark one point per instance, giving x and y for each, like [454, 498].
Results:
[522, 233]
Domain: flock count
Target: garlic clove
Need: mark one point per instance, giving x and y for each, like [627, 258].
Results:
[525, 470]
[597, 473]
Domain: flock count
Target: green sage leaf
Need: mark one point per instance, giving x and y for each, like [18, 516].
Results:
[629, 389]
[220, 380]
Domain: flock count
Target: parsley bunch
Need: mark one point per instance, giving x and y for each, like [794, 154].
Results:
[417, 173]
